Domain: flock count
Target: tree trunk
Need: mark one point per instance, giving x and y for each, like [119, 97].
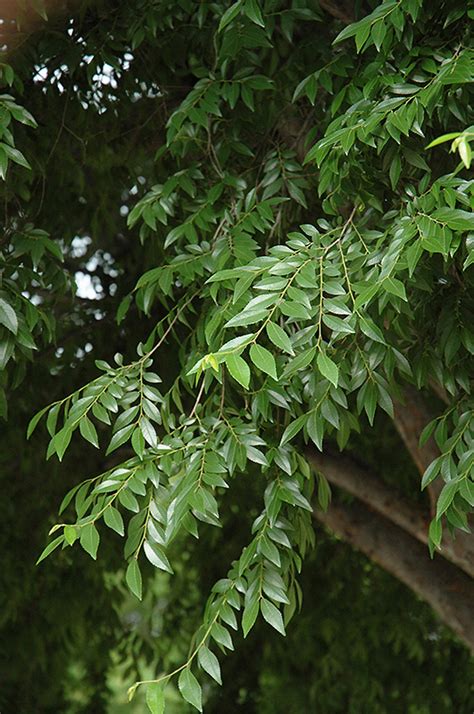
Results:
[371, 490]
[444, 587]
[411, 416]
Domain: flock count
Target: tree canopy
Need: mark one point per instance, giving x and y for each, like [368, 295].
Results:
[236, 300]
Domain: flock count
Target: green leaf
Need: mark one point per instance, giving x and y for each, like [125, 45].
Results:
[247, 317]
[61, 441]
[436, 532]
[120, 437]
[89, 539]
[250, 615]
[157, 557]
[34, 421]
[148, 431]
[123, 308]
[347, 32]
[237, 343]
[446, 496]
[370, 329]
[113, 519]
[443, 138]
[155, 698]
[395, 287]
[324, 492]
[315, 429]
[455, 218]
[210, 663]
[70, 534]
[88, 431]
[190, 688]
[293, 428]
[222, 636]
[229, 15]
[431, 472]
[328, 368]
[15, 156]
[50, 547]
[239, 369]
[264, 360]
[253, 12]
[378, 32]
[279, 337]
[8, 316]
[273, 616]
[133, 578]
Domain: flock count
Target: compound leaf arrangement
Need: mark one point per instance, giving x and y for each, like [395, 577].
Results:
[307, 221]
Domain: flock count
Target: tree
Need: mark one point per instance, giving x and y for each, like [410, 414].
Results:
[277, 224]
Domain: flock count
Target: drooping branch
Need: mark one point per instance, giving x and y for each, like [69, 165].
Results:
[371, 490]
[411, 417]
[443, 586]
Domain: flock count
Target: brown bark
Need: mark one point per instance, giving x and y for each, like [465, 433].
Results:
[411, 417]
[371, 490]
[367, 487]
[340, 9]
[444, 587]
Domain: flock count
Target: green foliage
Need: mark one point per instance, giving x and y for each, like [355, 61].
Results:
[299, 256]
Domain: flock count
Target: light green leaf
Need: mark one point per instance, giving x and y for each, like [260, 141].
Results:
[210, 663]
[247, 317]
[222, 636]
[88, 431]
[190, 688]
[446, 496]
[395, 287]
[328, 368]
[120, 437]
[70, 534]
[113, 519]
[250, 615]
[157, 557]
[90, 539]
[279, 337]
[239, 369]
[155, 698]
[237, 343]
[61, 441]
[370, 329]
[264, 360]
[293, 428]
[441, 139]
[436, 531]
[50, 547]
[133, 578]
[273, 616]
[148, 431]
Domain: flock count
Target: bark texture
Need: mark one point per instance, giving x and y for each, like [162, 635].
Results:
[443, 586]
[369, 488]
[411, 416]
